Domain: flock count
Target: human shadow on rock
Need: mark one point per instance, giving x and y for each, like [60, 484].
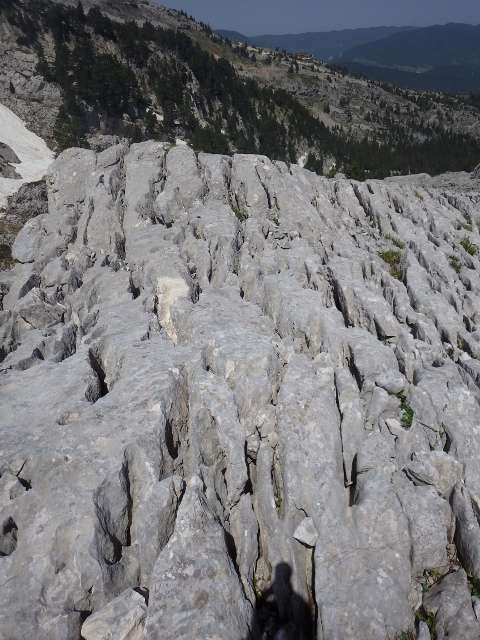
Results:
[280, 613]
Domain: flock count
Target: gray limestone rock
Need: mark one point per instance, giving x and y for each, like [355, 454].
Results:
[123, 619]
[451, 604]
[223, 413]
[306, 533]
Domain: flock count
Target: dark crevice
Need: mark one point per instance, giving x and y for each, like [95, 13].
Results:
[116, 547]
[133, 289]
[269, 200]
[448, 443]
[114, 517]
[172, 446]
[144, 592]
[126, 480]
[337, 298]
[353, 484]
[354, 371]
[25, 483]
[98, 369]
[231, 549]
[8, 537]
[313, 599]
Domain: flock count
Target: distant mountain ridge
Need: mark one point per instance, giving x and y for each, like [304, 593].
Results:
[439, 58]
[437, 45]
[436, 58]
[322, 44]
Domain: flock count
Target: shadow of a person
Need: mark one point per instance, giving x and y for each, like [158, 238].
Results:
[280, 613]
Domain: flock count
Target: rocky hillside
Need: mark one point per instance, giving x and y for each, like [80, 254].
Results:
[108, 71]
[435, 58]
[239, 399]
[137, 77]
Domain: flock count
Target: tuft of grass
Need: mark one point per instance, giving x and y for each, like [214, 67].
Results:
[455, 263]
[394, 260]
[406, 411]
[241, 215]
[475, 586]
[395, 241]
[430, 577]
[469, 247]
[422, 615]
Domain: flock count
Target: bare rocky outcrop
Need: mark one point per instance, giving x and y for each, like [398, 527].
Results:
[7, 158]
[239, 399]
[28, 202]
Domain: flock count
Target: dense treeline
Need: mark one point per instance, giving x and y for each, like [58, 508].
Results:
[115, 77]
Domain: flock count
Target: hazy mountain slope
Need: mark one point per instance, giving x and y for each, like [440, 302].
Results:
[442, 57]
[322, 44]
[431, 46]
[239, 398]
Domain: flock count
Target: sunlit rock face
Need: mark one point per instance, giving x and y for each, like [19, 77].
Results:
[239, 400]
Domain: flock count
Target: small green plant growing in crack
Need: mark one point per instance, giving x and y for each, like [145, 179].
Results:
[406, 411]
[475, 586]
[469, 247]
[394, 259]
[395, 241]
[422, 615]
[455, 263]
[406, 635]
[430, 577]
[241, 215]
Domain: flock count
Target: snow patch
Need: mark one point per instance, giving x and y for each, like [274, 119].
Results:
[35, 157]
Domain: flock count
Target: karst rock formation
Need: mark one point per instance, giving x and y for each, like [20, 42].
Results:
[221, 373]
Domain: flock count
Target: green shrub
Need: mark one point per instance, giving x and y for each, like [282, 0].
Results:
[469, 247]
[406, 411]
[238, 211]
[475, 586]
[395, 241]
[394, 259]
[422, 615]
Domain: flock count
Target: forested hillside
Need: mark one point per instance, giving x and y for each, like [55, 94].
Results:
[138, 80]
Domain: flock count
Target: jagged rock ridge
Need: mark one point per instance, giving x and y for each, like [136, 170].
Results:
[219, 373]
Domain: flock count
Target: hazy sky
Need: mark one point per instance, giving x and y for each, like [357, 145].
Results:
[254, 17]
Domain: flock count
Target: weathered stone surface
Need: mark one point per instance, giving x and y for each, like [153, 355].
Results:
[121, 619]
[450, 602]
[306, 533]
[215, 391]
